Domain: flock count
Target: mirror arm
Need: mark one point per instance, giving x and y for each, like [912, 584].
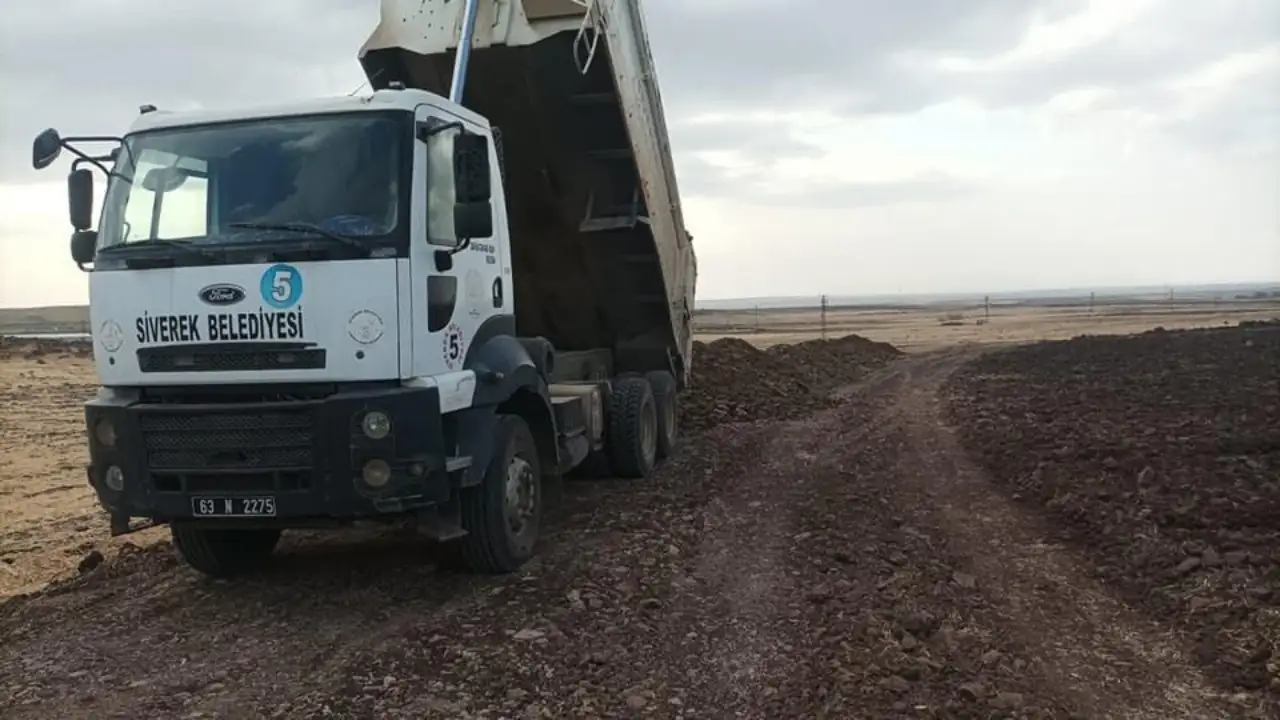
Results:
[463, 244]
[83, 158]
[98, 160]
[426, 130]
[93, 138]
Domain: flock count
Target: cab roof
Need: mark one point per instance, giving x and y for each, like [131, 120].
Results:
[389, 99]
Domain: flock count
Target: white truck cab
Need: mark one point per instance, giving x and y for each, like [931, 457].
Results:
[305, 315]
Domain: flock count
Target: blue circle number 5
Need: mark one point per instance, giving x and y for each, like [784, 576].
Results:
[281, 286]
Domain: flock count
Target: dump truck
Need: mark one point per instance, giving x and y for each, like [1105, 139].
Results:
[423, 303]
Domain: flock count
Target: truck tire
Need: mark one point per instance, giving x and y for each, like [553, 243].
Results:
[222, 552]
[633, 428]
[664, 396]
[502, 514]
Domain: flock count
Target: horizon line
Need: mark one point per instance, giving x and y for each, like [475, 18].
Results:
[903, 294]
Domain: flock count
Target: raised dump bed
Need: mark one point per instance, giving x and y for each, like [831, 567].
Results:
[601, 256]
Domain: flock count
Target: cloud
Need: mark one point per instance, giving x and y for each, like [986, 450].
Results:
[836, 55]
[85, 66]
[1018, 130]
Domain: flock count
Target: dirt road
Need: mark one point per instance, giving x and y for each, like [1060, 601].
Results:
[852, 564]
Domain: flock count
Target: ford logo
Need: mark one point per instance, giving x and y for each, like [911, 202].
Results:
[222, 294]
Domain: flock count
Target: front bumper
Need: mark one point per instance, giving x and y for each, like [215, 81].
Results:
[306, 455]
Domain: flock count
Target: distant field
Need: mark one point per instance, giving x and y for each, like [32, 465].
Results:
[919, 329]
[910, 328]
[70, 318]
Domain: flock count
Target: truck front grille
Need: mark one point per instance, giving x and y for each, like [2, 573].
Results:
[223, 359]
[242, 440]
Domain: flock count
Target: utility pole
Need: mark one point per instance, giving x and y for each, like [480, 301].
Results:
[986, 308]
[757, 317]
[1091, 294]
[824, 317]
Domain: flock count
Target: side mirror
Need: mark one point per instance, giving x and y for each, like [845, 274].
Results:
[80, 198]
[473, 220]
[84, 247]
[46, 148]
[471, 169]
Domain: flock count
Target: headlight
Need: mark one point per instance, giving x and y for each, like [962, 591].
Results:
[111, 335]
[105, 433]
[114, 479]
[365, 327]
[376, 474]
[376, 425]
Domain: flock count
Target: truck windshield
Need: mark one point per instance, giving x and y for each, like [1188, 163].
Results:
[254, 180]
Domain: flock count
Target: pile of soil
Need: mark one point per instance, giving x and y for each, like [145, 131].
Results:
[40, 348]
[734, 381]
[1159, 456]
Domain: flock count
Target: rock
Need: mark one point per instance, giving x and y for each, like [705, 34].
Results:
[965, 580]
[991, 657]
[91, 562]
[529, 634]
[1187, 566]
[517, 694]
[651, 604]
[819, 594]
[1007, 701]
[896, 683]
[1210, 558]
[637, 702]
[971, 691]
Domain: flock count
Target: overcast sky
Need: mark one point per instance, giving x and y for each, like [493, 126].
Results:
[848, 147]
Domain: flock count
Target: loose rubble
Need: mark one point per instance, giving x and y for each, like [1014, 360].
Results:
[852, 561]
[734, 381]
[1159, 457]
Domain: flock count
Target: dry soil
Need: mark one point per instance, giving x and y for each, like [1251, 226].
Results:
[894, 553]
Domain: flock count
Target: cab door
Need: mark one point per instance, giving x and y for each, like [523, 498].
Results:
[457, 285]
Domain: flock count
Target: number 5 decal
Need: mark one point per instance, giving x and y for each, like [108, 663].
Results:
[281, 286]
[453, 346]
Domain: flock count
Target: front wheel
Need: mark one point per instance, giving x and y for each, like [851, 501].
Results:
[502, 514]
[223, 552]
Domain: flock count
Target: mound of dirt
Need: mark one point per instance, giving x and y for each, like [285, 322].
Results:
[734, 381]
[1159, 456]
[40, 348]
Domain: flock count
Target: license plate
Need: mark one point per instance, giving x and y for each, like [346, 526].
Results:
[233, 506]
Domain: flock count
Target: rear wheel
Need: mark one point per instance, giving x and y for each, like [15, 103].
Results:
[633, 428]
[502, 514]
[223, 552]
[664, 397]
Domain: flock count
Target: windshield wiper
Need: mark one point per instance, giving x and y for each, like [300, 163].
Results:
[304, 227]
[158, 242]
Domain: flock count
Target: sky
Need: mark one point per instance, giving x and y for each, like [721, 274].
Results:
[861, 147]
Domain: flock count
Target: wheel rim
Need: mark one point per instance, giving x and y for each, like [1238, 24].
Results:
[649, 434]
[520, 499]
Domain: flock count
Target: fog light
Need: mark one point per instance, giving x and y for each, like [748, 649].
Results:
[376, 473]
[105, 432]
[114, 479]
[376, 425]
